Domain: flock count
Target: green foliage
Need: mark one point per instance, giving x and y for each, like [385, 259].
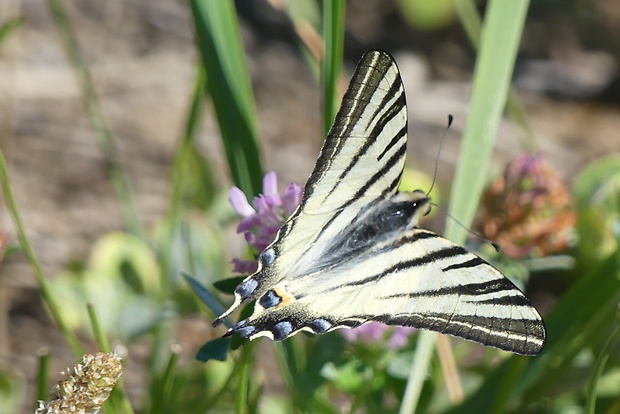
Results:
[228, 84]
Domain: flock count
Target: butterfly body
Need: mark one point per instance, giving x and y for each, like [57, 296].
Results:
[353, 252]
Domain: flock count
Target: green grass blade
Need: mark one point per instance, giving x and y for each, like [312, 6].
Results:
[419, 369]
[333, 38]
[599, 365]
[43, 388]
[228, 84]
[119, 179]
[470, 20]
[42, 281]
[499, 44]
[497, 53]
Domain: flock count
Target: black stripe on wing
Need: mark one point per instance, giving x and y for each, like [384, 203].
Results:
[394, 159]
[522, 336]
[511, 295]
[364, 89]
[449, 252]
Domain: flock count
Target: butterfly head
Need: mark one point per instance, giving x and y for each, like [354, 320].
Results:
[416, 203]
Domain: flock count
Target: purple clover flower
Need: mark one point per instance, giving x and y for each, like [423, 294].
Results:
[259, 224]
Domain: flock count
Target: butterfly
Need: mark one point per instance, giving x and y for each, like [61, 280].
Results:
[353, 252]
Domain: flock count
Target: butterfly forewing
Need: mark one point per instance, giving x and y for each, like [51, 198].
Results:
[352, 252]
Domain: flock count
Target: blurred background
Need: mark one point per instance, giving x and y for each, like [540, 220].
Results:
[143, 59]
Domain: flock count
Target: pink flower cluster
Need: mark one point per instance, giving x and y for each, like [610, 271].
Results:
[375, 331]
[260, 223]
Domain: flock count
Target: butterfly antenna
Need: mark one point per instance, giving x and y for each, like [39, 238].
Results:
[445, 134]
[470, 231]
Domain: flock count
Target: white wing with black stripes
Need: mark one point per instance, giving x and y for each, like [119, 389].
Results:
[353, 252]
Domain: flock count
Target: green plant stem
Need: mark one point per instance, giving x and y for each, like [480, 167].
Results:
[179, 168]
[100, 335]
[599, 365]
[118, 401]
[333, 38]
[42, 383]
[419, 369]
[44, 285]
[243, 380]
[165, 385]
[119, 179]
[212, 401]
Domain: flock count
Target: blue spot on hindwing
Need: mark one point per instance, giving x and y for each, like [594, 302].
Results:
[270, 299]
[320, 326]
[246, 288]
[267, 257]
[282, 330]
[246, 331]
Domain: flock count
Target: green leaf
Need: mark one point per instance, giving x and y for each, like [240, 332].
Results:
[205, 296]
[228, 285]
[215, 349]
[599, 181]
[597, 190]
[228, 84]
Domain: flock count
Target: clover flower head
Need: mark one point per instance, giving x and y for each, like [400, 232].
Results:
[261, 221]
[529, 210]
[85, 387]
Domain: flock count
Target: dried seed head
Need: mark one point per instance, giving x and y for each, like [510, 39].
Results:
[85, 387]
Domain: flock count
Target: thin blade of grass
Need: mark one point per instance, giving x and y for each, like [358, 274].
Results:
[42, 375]
[99, 121]
[599, 365]
[228, 84]
[499, 44]
[333, 38]
[42, 281]
[498, 49]
[118, 400]
[471, 21]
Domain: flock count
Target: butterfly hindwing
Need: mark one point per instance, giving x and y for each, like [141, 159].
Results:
[353, 252]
